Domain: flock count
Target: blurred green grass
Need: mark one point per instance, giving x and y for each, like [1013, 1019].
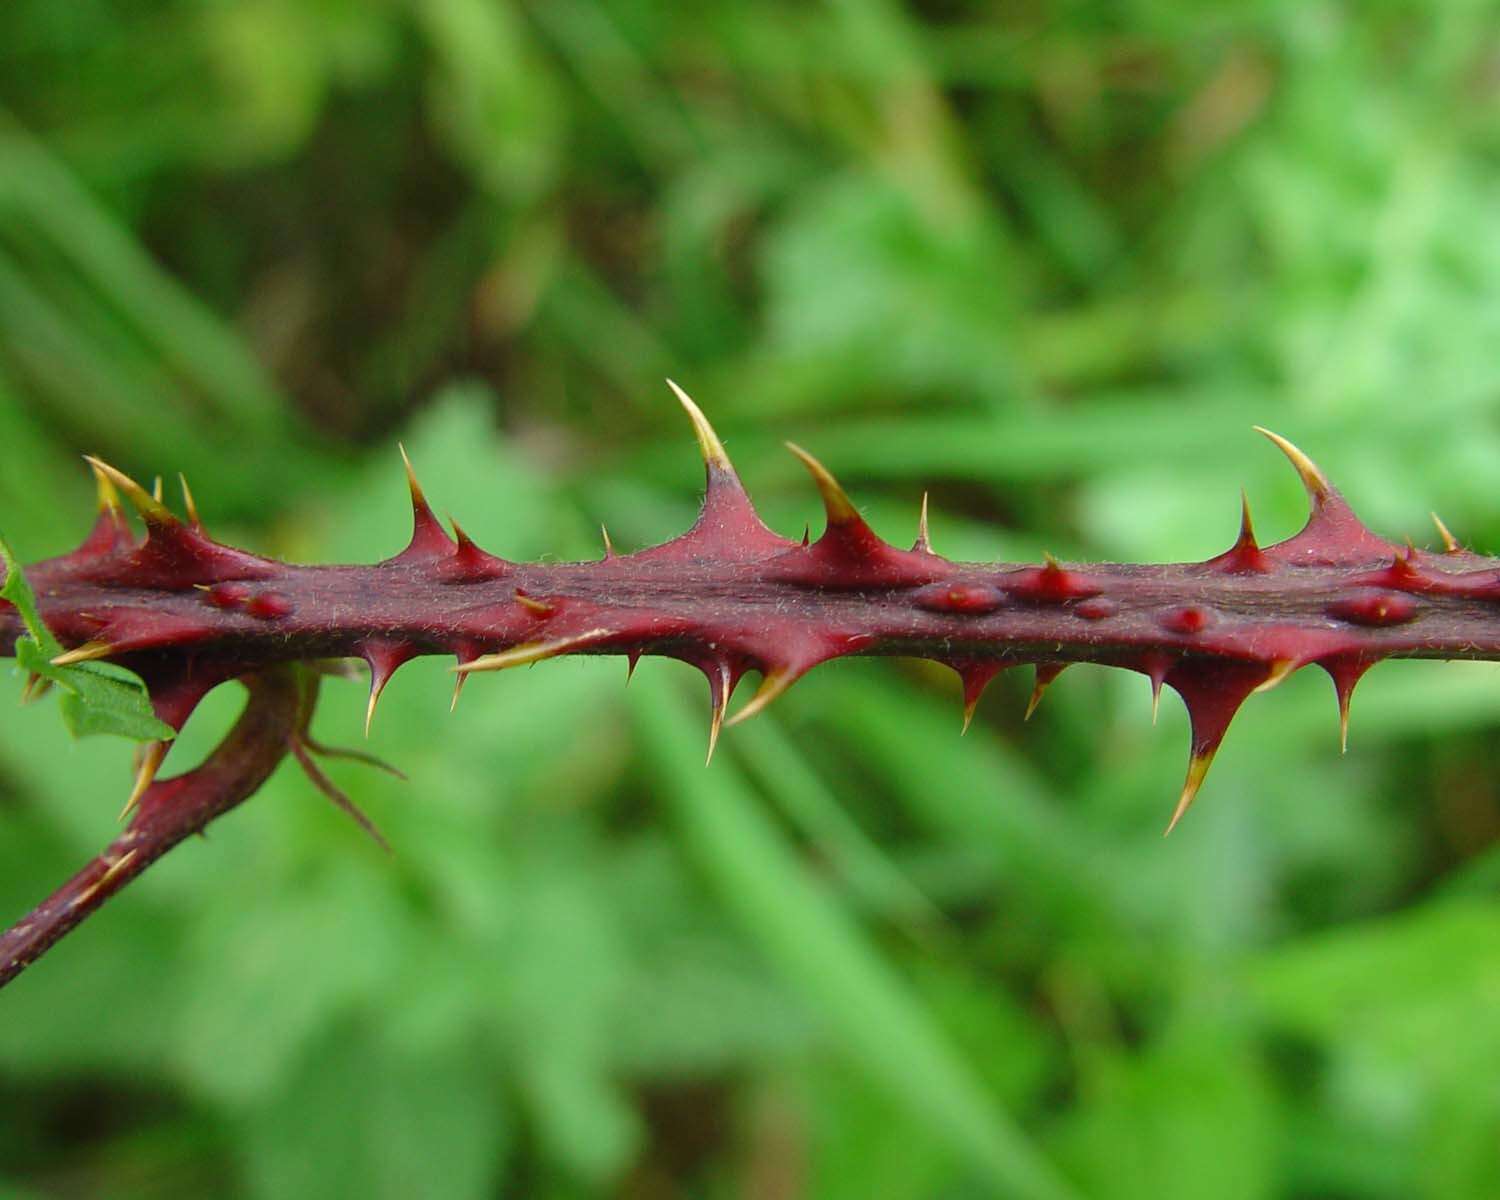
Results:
[1049, 261]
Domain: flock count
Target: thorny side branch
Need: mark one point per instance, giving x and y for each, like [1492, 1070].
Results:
[730, 597]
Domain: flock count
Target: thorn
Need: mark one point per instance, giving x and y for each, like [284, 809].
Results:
[1156, 682]
[1316, 483]
[151, 757]
[530, 652]
[719, 690]
[1450, 543]
[188, 502]
[376, 687]
[1198, 766]
[772, 685]
[84, 653]
[609, 546]
[35, 687]
[632, 658]
[836, 502]
[537, 608]
[923, 542]
[109, 496]
[708, 440]
[418, 500]
[149, 507]
[458, 687]
[971, 706]
[1247, 528]
[1279, 670]
[1344, 697]
[384, 660]
[1045, 674]
[156, 489]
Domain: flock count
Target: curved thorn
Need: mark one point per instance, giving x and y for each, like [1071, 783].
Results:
[708, 440]
[84, 653]
[923, 543]
[418, 500]
[1279, 670]
[970, 708]
[1045, 674]
[530, 652]
[836, 503]
[1450, 543]
[720, 702]
[188, 503]
[1313, 479]
[375, 690]
[609, 546]
[109, 496]
[1198, 766]
[772, 685]
[151, 755]
[149, 507]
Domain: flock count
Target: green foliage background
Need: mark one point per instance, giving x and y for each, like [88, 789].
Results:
[1049, 260]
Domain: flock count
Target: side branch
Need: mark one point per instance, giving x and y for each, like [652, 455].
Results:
[169, 811]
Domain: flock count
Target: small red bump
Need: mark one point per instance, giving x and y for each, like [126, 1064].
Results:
[1379, 608]
[227, 595]
[963, 598]
[1191, 619]
[1051, 584]
[1097, 610]
[268, 606]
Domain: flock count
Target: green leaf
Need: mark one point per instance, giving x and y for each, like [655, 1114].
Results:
[96, 698]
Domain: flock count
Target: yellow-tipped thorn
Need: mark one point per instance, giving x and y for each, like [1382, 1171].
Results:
[1198, 766]
[835, 501]
[458, 687]
[609, 546]
[924, 542]
[771, 686]
[188, 502]
[84, 653]
[530, 652]
[1313, 479]
[970, 708]
[1247, 527]
[1344, 723]
[1038, 690]
[537, 608]
[1279, 670]
[151, 758]
[708, 440]
[146, 504]
[370, 707]
[109, 496]
[1450, 543]
[1155, 699]
[417, 498]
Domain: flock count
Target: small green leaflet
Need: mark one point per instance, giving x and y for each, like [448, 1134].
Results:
[96, 697]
